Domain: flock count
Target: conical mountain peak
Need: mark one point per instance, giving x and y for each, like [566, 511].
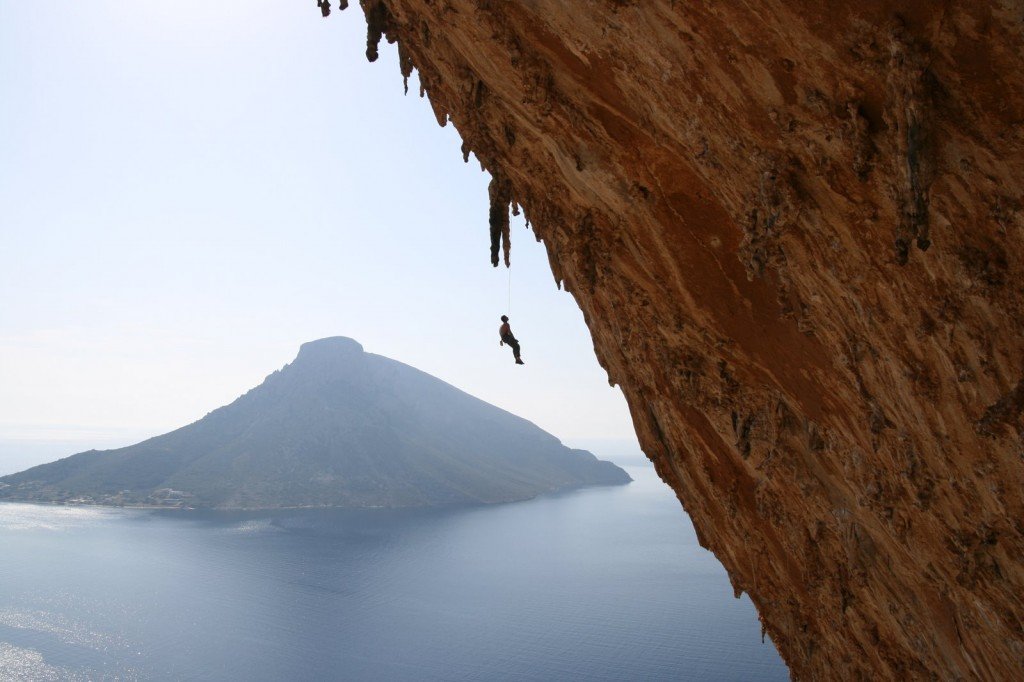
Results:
[332, 347]
[337, 427]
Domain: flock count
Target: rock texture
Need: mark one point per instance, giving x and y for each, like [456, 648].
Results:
[794, 229]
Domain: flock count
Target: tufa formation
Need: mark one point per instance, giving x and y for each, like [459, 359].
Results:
[795, 232]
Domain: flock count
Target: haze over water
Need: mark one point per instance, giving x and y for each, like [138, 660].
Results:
[598, 584]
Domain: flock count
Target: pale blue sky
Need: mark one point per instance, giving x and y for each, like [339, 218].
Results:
[191, 189]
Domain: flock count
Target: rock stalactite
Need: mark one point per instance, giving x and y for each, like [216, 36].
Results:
[499, 191]
[795, 232]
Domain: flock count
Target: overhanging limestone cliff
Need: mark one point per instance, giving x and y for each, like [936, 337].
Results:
[794, 229]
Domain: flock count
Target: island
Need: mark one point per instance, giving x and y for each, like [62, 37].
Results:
[337, 427]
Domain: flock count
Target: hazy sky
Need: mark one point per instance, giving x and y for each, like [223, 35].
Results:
[189, 190]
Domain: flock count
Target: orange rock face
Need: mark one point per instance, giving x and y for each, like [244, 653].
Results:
[795, 230]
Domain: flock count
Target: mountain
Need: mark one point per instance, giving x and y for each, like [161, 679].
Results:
[337, 427]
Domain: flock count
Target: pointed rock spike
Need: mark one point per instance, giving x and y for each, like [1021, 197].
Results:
[499, 192]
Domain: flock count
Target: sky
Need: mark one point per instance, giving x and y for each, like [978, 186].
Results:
[190, 190]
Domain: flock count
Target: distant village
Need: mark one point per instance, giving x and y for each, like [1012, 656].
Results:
[33, 492]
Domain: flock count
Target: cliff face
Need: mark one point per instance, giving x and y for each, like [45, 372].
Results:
[794, 229]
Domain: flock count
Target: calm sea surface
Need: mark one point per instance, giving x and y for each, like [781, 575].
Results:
[599, 584]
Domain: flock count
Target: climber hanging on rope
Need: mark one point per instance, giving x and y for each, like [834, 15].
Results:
[505, 332]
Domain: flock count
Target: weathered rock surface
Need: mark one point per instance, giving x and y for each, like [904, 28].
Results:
[794, 229]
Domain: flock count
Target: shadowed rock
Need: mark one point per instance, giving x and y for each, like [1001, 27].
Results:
[795, 232]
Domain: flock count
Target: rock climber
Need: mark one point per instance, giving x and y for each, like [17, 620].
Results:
[505, 332]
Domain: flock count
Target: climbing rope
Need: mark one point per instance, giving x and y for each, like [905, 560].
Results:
[508, 308]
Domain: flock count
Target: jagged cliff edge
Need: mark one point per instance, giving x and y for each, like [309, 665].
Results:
[794, 229]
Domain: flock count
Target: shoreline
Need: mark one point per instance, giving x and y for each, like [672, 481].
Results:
[98, 505]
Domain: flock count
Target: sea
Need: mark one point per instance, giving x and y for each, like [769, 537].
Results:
[595, 584]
